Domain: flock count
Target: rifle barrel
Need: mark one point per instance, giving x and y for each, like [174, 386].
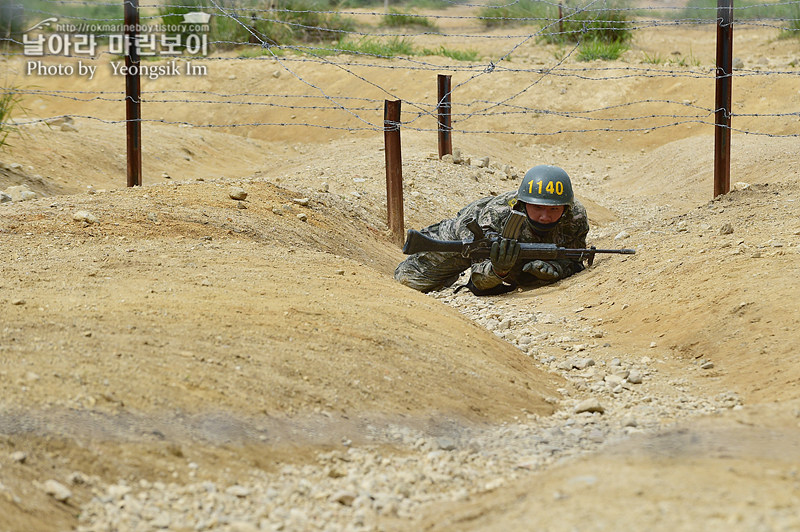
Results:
[620, 251]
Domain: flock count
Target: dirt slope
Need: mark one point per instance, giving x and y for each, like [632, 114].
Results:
[713, 475]
[179, 304]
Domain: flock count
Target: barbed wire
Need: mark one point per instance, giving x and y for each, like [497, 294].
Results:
[405, 125]
[292, 58]
[417, 64]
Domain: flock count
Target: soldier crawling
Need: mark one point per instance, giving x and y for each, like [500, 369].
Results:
[554, 216]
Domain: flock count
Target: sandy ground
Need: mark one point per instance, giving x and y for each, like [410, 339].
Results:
[249, 334]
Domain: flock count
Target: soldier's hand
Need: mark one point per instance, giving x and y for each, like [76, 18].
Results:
[542, 270]
[504, 255]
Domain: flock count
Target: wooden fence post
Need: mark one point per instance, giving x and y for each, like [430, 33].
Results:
[443, 115]
[724, 73]
[394, 170]
[133, 111]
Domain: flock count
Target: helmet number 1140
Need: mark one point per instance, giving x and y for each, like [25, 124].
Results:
[558, 187]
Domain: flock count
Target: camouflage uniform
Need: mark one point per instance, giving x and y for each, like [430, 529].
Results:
[430, 270]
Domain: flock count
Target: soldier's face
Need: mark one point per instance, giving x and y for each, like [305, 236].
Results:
[544, 214]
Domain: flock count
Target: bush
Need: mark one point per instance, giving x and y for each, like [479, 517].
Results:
[173, 16]
[248, 22]
[607, 26]
[308, 25]
[256, 28]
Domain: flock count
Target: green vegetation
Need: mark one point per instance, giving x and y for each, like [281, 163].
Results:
[406, 4]
[12, 20]
[457, 55]
[518, 13]
[88, 11]
[792, 29]
[10, 99]
[96, 13]
[652, 59]
[12, 24]
[600, 33]
[597, 49]
[391, 47]
[173, 16]
[605, 26]
[377, 47]
[248, 22]
[691, 60]
[706, 10]
[677, 59]
[397, 19]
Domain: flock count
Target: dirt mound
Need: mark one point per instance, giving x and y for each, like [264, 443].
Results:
[253, 310]
[710, 467]
[182, 320]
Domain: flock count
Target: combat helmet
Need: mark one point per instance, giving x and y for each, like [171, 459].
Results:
[546, 185]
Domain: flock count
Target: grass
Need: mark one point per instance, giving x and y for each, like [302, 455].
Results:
[654, 59]
[679, 60]
[398, 19]
[597, 49]
[691, 60]
[377, 47]
[457, 55]
[10, 99]
[391, 47]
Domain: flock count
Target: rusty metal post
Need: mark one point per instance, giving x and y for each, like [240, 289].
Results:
[133, 112]
[443, 115]
[394, 170]
[724, 74]
[560, 19]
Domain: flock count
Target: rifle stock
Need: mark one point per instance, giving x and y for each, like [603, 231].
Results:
[416, 242]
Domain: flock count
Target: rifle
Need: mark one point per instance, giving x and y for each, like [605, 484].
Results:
[480, 246]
